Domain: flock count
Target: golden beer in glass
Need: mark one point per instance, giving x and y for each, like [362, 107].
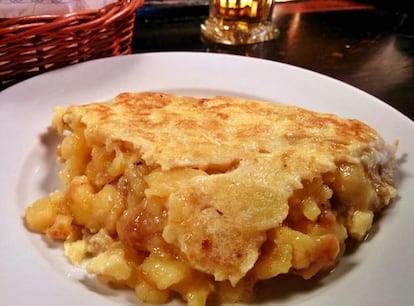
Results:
[235, 22]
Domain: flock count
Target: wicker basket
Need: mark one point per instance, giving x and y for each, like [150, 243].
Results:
[34, 44]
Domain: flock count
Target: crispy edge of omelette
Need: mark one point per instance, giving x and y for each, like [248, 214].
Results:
[228, 207]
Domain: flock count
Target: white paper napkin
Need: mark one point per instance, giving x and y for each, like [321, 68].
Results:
[18, 8]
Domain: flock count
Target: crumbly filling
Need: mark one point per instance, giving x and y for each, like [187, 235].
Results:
[114, 210]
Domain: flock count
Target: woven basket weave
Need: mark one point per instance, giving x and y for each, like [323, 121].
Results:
[35, 44]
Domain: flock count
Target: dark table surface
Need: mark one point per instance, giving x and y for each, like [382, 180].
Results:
[368, 45]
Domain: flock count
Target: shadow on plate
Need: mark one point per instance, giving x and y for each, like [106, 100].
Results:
[50, 140]
[122, 295]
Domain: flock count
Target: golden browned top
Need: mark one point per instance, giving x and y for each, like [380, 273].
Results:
[256, 155]
[172, 131]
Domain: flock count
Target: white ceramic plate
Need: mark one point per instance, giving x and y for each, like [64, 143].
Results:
[33, 271]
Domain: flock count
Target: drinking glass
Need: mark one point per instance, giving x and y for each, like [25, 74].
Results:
[236, 22]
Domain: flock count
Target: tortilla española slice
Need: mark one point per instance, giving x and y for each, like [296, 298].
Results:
[205, 197]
